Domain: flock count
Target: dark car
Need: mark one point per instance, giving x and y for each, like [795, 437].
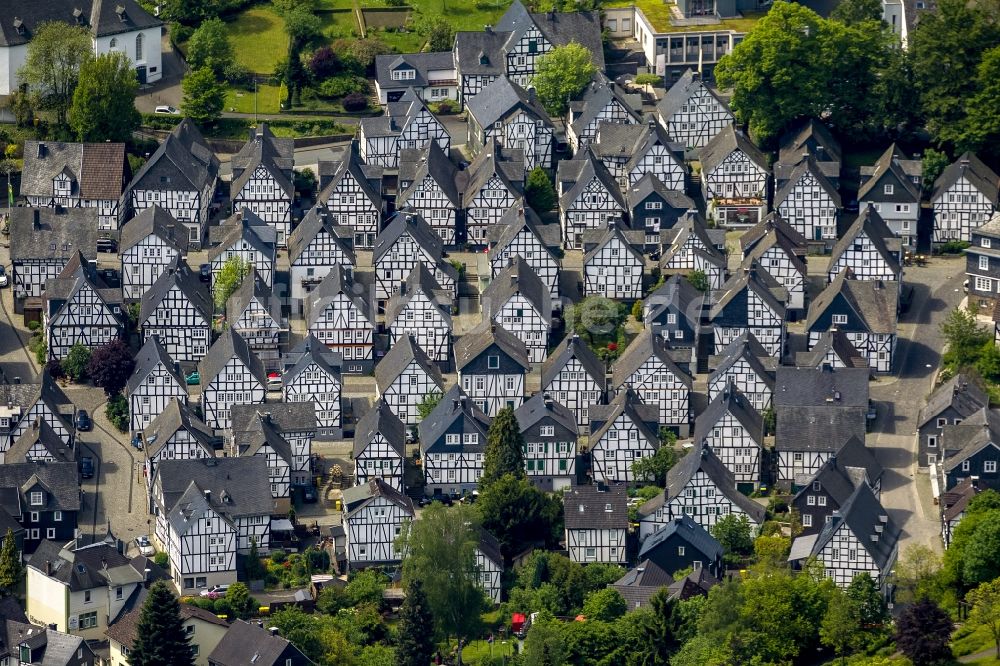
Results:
[87, 467]
[205, 272]
[107, 245]
[83, 422]
[137, 441]
[309, 495]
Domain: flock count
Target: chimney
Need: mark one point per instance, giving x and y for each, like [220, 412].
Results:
[454, 404]
[273, 630]
[121, 13]
[208, 496]
[41, 149]
[547, 400]
[48, 567]
[488, 29]
[652, 122]
[36, 218]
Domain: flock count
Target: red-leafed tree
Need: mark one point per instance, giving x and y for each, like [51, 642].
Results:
[110, 367]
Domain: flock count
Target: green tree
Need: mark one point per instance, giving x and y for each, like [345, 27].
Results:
[841, 627]
[240, 602]
[440, 553]
[649, 79]
[52, 66]
[985, 611]
[698, 280]
[964, 335]
[110, 367]
[735, 533]
[934, 163]
[160, 636]
[518, 514]
[771, 551]
[544, 646]
[11, 570]
[923, 633]
[209, 47]
[76, 361]
[103, 106]
[228, 280]
[538, 190]
[604, 605]
[253, 569]
[654, 468]
[301, 25]
[367, 588]
[415, 638]
[981, 129]
[117, 412]
[439, 33]
[662, 632]
[854, 12]
[504, 449]
[868, 602]
[428, 403]
[561, 75]
[203, 98]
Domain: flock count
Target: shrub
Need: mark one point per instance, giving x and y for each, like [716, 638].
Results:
[75, 363]
[279, 556]
[236, 74]
[339, 86]
[161, 560]
[55, 369]
[324, 63]
[117, 412]
[34, 325]
[37, 345]
[446, 106]
[355, 102]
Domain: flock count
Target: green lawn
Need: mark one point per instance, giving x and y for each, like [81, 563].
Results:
[268, 99]
[658, 13]
[334, 4]
[258, 39]
[403, 42]
[338, 24]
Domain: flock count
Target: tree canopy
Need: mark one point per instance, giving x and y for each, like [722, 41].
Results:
[204, 97]
[51, 69]
[415, 642]
[518, 514]
[110, 366]
[160, 636]
[228, 280]
[103, 107]
[561, 75]
[209, 47]
[923, 633]
[504, 449]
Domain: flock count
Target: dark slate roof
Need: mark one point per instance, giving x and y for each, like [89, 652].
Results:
[686, 528]
[818, 409]
[595, 99]
[60, 478]
[494, 160]
[954, 501]
[480, 53]
[697, 583]
[586, 508]
[312, 351]
[421, 63]
[47, 390]
[967, 166]
[228, 345]
[79, 568]
[650, 183]
[397, 116]
[278, 153]
[99, 170]
[176, 416]
[98, 16]
[415, 165]
[874, 301]
[755, 278]
[579, 171]
[811, 137]
[863, 513]
[679, 93]
[811, 166]
[513, 221]
[42, 433]
[836, 340]
[595, 239]
[420, 280]
[724, 143]
[57, 234]
[246, 643]
[185, 151]
[641, 583]
[154, 221]
[517, 278]
[258, 432]
[540, 406]
[560, 28]
[152, 353]
[731, 400]
[418, 230]
[238, 486]
[285, 416]
[964, 392]
[691, 224]
[875, 228]
[475, 342]
[500, 98]
[313, 222]
[629, 403]
[178, 274]
[125, 630]
[252, 288]
[247, 226]
[489, 546]
[358, 496]
[678, 292]
[351, 163]
[746, 347]
[635, 141]
[970, 437]
[452, 406]
[260, 152]
[339, 280]
[892, 160]
[852, 464]
[644, 346]
[380, 419]
[399, 356]
[573, 346]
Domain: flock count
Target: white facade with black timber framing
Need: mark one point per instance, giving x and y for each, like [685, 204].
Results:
[869, 248]
[379, 447]
[149, 243]
[621, 433]
[965, 197]
[647, 367]
[404, 376]
[352, 193]
[315, 246]
[513, 118]
[80, 310]
[407, 123]
[255, 313]
[339, 316]
[603, 101]
[631, 151]
[312, 374]
[494, 183]
[734, 179]
[690, 246]
[230, 375]
[492, 364]
[574, 377]
[295, 422]
[613, 262]
[404, 242]
[517, 300]
[596, 519]
[550, 432]
[43, 240]
[452, 444]
[747, 366]
[521, 233]
[734, 431]
[691, 112]
[780, 252]
[810, 202]
[178, 310]
[489, 563]
[589, 197]
[175, 433]
[248, 237]
[154, 383]
[374, 516]
[422, 309]
[262, 180]
[428, 186]
[750, 301]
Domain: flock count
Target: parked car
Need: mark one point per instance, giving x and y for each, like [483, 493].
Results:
[205, 272]
[168, 110]
[137, 441]
[193, 379]
[86, 467]
[4, 280]
[145, 547]
[215, 592]
[109, 245]
[274, 381]
[83, 422]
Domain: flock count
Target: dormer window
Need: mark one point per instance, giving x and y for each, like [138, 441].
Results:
[493, 362]
[19, 26]
[37, 498]
[887, 188]
[113, 43]
[25, 654]
[404, 75]
[607, 508]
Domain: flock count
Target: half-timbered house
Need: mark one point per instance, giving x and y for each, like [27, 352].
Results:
[429, 185]
[965, 196]
[338, 314]
[690, 246]
[312, 374]
[750, 301]
[231, 374]
[681, 544]
[734, 430]
[260, 438]
[700, 486]
[647, 367]
[747, 366]
[248, 237]
[892, 187]
[379, 447]
[294, 421]
[691, 112]
[653, 207]
[863, 310]
[42, 241]
[596, 519]
[812, 139]
[521, 233]
[622, 432]
[810, 202]
[589, 197]
[816, 410]
[493, 184]
[23, 404]
[517, 300]
[404, 242]
[404, 376]
[949, 404]
[374, 516]
[479, 59]
[77, 175]
[80, 309]
[44, 498]
[181, 176]
[630, 151]
[489, 563]
[602, 101]
[155, 381]
[262, 180]
[953, 504]
[407, 123]
[779, 250]
[148, 244]
[982, 266]
[833, 348]
[613, 263]
[860, 538]
[39, 443]
[674, 312]
[254, 312]
[176, 433]
[734, 178]
[492, 364]
[575, 378]
[513, 118]
[178, 309]
[352, 192]
[315, 246]
[452, 443]
[818, 496]
[431, 75]
[208, 510]
[970, 450]
[869, 248]
[550, 432]
[422, 309]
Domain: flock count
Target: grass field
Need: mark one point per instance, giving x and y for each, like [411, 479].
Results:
[268, 99]
[338, 24]
[258, 39]
[334, 4]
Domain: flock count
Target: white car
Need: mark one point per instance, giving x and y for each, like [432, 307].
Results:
[145, 547]
[169, 110]
[4, 280]
[215, 592]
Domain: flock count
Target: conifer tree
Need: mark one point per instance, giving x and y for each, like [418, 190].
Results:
[504, 449]
[415, 645]
[160, 637]
[10, 564]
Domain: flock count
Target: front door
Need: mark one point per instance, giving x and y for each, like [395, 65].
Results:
[140, 73]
